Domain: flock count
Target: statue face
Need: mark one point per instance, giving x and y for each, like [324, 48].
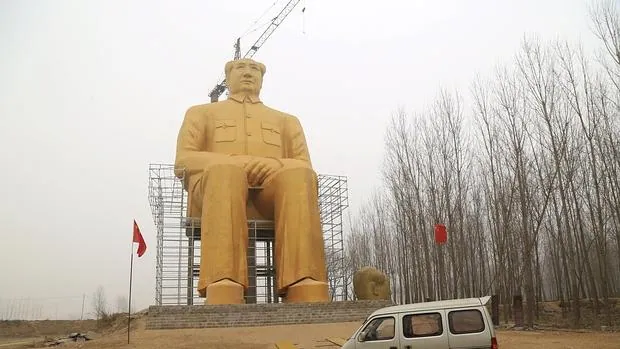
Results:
[245, 76]
[382, 289]
[370, 283]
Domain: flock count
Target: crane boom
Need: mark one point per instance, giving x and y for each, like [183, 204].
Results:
[275, 22]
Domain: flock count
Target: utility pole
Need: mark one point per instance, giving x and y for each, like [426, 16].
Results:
[83, 300]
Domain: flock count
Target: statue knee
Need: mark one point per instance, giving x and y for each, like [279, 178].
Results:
[296, 175]
[225, 173]
[291, 180]
[293, 164]
[298, 168]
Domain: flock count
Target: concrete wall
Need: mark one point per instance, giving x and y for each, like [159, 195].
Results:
[202, 316]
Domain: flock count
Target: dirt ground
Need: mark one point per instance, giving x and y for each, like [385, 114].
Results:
[314, 336]
[113, 334]
[24, 329]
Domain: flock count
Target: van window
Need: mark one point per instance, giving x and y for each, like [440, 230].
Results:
[379, 329]
[422, 325]
[465, 321]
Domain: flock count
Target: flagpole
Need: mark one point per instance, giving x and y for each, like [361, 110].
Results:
[130, 279]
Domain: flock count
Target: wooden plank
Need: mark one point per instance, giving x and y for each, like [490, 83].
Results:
[337, 340]
[285, 345]
[325, 344]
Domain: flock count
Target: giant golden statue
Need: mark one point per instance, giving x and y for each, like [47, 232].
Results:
[238, 155]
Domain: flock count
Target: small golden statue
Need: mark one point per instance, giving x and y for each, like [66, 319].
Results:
[238, 155]
[370, 283]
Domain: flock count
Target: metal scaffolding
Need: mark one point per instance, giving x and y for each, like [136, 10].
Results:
[178, 254]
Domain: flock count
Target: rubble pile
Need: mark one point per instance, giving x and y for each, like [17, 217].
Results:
[73, 337]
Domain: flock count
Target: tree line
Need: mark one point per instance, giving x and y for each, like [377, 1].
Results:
[56, 308]
[526, 180]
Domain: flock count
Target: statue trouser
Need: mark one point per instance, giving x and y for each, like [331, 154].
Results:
[290, 197]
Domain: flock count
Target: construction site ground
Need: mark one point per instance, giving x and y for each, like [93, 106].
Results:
[114, 335]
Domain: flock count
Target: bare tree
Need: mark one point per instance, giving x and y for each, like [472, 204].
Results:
[532, 206]
[122, 305]
[99, 303]
[605, 19]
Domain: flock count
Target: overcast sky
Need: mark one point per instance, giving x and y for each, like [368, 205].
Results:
[91, 92]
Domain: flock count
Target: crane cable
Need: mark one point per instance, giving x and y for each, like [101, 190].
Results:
[303, 18]
[250, 30]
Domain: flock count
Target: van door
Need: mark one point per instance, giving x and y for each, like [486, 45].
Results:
[379, 333]
[423, 330]
[469, 328]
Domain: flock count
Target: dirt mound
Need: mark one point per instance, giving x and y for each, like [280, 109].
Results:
[117, 323]
[558, 314]
[29, 329]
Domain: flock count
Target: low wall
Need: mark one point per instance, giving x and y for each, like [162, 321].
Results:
[245, 315]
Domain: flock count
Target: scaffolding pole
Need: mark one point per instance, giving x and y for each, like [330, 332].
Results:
[178, 242]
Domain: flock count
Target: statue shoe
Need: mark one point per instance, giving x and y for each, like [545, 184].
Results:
[224, 292]
[307, 291]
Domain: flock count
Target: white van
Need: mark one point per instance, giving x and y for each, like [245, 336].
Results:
[455, 323]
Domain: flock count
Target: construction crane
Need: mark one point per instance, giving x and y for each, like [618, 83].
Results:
[275, 22]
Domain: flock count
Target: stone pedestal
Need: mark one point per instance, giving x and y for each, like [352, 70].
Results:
[249, 315]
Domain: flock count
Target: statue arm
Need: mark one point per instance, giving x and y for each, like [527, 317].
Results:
[297, 147]
[190, 156]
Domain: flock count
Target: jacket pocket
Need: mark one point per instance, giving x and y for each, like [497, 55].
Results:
[271, 134]
[225, 131]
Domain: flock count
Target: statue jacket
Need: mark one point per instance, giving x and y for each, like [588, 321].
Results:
[239, 125]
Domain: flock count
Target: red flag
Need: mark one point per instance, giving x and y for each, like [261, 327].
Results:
[441, 234]
[137, 237]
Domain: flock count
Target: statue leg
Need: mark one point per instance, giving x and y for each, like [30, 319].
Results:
[291, 197]
[223, 191]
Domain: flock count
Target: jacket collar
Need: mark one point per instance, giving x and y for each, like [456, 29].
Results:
[241, 98]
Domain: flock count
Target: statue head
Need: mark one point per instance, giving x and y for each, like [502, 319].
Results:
[370, 283]
[244, 76]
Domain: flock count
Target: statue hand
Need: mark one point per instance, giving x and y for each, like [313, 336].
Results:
[242, 160]
[259, 168]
